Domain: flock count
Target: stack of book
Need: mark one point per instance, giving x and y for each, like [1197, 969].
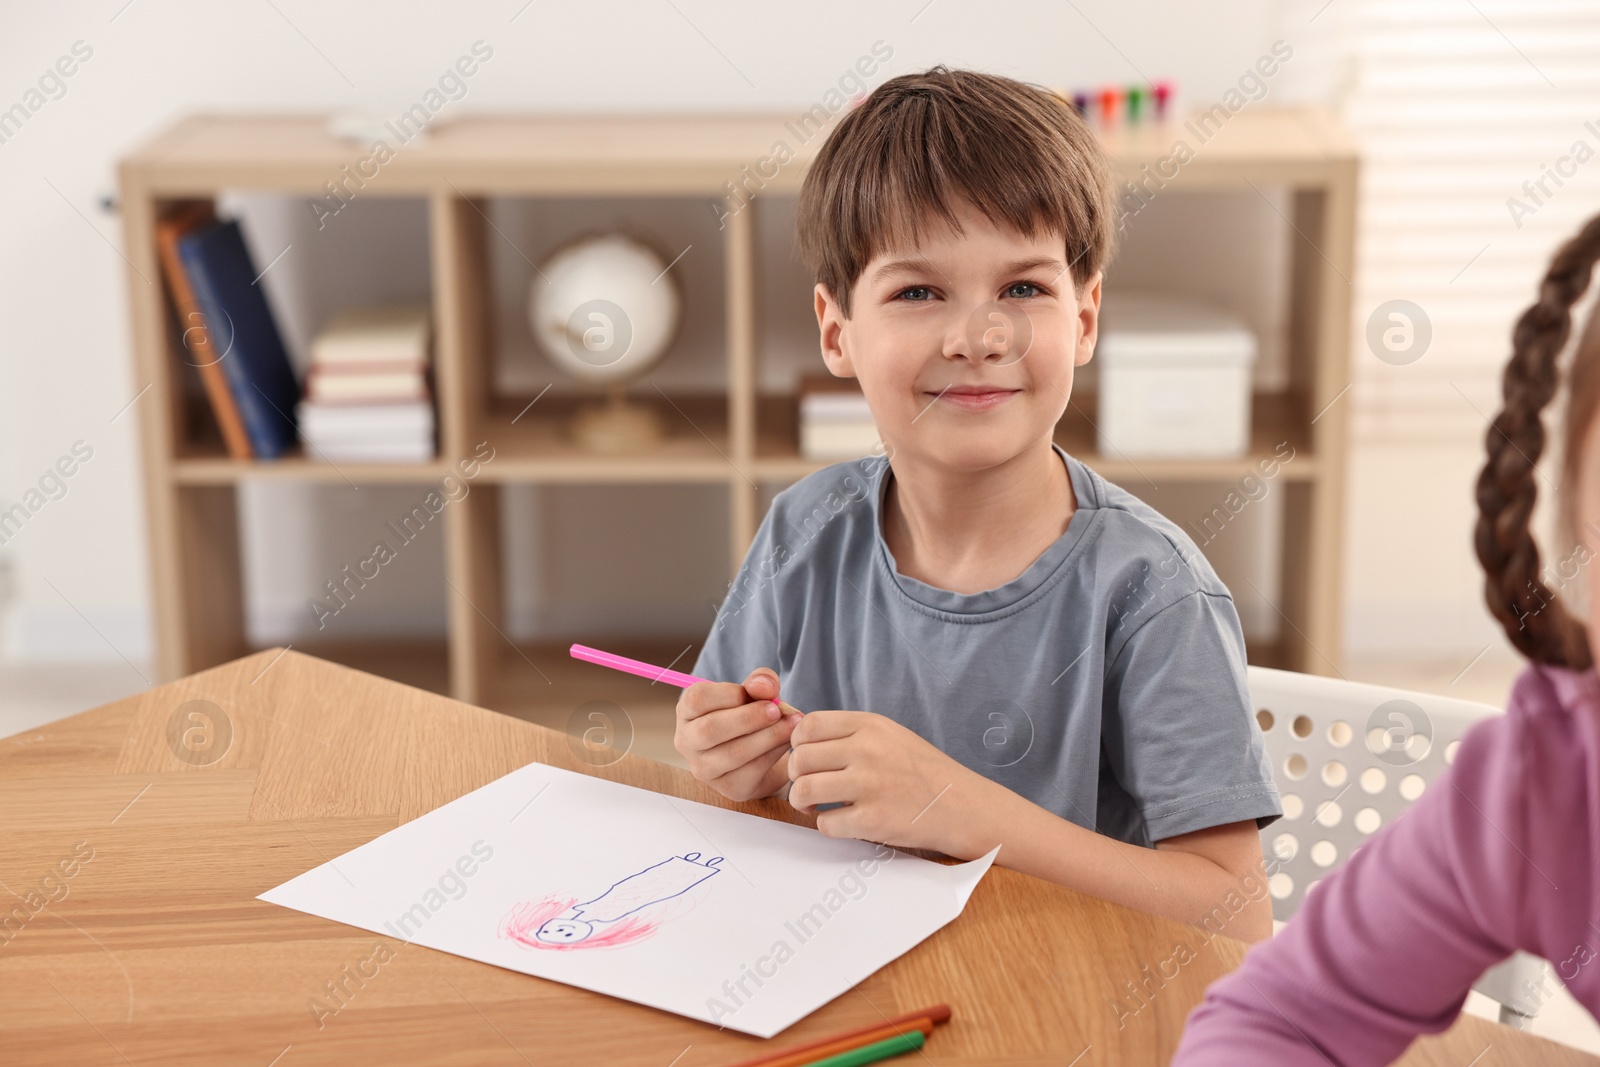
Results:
[835, 422]
[367, 394]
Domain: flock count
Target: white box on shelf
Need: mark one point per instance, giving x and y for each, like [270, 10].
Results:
[835, 420]
[838, 440]
[1174, 378]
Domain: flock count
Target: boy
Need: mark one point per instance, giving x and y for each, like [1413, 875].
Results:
[1030, 654]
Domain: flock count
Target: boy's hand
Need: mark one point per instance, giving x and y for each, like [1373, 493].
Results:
[734, 736]
[900, 790]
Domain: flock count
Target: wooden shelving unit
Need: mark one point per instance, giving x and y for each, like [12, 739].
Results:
[190, 483]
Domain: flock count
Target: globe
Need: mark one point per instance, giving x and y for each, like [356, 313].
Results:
[605, 309]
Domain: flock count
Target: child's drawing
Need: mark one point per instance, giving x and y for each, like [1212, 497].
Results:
[619, 915]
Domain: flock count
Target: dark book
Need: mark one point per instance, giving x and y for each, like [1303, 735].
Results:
[191, 323]
[243, 334]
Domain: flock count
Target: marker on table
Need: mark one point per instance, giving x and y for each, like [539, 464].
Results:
[812, 1052]
[879, 1050]
[661, 674]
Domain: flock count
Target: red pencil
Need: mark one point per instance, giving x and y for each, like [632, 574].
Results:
[939, 1013]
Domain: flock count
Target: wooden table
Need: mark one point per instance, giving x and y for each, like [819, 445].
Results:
[156, 952]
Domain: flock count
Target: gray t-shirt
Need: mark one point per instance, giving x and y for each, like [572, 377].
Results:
[1106, 683]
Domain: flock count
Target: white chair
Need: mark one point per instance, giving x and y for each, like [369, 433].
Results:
[1349, 758]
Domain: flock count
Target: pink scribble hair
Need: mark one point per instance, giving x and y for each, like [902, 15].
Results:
[522, 922]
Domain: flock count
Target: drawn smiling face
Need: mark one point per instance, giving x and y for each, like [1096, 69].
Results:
[564, 931]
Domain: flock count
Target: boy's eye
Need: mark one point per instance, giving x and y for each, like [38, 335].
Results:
[1016, 290]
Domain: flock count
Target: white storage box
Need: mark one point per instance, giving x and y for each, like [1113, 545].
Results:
[1174, 378]
[835, 421]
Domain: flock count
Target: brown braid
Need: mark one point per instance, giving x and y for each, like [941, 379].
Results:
[1537, 623]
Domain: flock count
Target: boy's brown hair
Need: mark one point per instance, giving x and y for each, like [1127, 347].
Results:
[922, 142]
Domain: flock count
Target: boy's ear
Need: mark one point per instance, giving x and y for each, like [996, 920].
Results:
[830, 324]
[1088, 320]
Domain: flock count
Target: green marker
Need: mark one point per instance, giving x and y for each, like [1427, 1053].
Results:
[878, 1050]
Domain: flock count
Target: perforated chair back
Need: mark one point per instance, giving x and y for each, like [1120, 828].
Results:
[1349, 758]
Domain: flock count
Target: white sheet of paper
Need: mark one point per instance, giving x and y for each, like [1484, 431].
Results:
[714, 914]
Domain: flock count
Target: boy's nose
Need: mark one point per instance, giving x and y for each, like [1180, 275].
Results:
[992, 333]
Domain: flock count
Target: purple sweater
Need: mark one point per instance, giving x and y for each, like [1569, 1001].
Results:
[1501, 853]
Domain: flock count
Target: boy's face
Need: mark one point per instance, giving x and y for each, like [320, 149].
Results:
[965, 344]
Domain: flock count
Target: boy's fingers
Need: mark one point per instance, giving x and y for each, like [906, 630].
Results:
[720, 727]
[731, 755]
[828, 725]
[838, 822]
[702, 698]
[826, 787]
[746, 731]
[762, 684]
[810, 757]
[743, 778]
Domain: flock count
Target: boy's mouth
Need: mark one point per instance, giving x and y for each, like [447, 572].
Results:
[974, 397]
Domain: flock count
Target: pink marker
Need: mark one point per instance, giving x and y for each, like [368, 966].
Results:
[647, 670]
[633, 666]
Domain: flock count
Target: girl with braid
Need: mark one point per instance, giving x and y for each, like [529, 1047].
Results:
[1503, 853]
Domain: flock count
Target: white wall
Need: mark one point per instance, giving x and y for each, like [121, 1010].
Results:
[1456, 106]
[65, 364]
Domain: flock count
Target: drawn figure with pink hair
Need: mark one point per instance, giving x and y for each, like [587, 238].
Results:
[619, 915]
